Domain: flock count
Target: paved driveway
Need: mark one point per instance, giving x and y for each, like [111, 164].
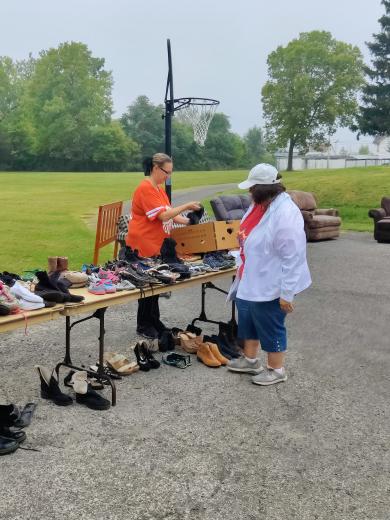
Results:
[203, 444]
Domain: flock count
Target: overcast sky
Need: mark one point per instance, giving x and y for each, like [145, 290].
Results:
[219, 47]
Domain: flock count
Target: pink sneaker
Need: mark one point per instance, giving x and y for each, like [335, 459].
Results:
[108, 275]
[109, 287]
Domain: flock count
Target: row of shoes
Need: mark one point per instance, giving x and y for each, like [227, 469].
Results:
[117, 365]
[12, 422]
[81, 384]
[18, 297]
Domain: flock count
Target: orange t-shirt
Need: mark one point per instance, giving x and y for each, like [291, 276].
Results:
[146, 232]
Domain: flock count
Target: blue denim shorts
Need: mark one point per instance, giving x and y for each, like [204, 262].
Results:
[263, 321]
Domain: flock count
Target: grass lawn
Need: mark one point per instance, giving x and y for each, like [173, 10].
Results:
[50, 214]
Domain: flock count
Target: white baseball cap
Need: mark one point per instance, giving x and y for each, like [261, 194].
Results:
[260, 174]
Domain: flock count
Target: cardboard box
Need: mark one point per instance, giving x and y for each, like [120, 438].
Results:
[211, 236]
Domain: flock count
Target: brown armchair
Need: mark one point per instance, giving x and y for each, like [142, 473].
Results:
[320, 224]
[381, 217]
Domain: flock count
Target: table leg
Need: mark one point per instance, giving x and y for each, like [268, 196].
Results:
[67, 362]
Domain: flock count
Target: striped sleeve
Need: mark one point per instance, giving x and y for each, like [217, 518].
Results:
[152, 201]
[153, 213]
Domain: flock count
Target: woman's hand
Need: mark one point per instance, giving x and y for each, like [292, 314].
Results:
[193, 206]
[286, 307]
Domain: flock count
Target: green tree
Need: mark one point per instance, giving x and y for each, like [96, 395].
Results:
[312, 90]
[68, 96]
[374, 116]
[255, 146]
[223, 149]
[143, 123]
[111, 149]
[16, 135]
[364, 149]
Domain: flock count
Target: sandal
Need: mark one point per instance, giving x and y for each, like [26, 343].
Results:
[177, 360]
[106, 371]
[120, 364]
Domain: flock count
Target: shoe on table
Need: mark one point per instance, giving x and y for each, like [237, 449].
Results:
[269, 377]
[23, 293]
[244, 366]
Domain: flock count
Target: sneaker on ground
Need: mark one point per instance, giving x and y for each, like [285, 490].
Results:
[242, 365]
[269, 377]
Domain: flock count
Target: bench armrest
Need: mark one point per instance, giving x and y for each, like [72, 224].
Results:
[377, 214]
[330, 212]
[307, 215]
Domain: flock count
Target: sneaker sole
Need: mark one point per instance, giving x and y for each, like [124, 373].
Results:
[254, 372]
[270, 382]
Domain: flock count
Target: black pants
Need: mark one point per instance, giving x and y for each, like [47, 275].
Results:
[149, 314]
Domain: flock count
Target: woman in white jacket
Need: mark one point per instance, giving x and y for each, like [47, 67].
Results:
[272, 270]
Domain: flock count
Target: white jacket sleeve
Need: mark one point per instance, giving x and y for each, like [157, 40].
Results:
[290, 245]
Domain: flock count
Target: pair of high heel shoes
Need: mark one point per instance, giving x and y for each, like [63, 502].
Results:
[85, 394]
[145, 358]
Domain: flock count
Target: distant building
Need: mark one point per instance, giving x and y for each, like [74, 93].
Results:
[382, 143]
[318, 160]
[328, 158]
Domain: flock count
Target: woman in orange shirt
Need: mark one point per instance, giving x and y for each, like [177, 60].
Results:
[151, 221]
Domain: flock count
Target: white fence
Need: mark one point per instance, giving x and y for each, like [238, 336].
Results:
[313, 163]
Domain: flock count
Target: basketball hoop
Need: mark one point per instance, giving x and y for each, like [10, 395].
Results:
[198, 112]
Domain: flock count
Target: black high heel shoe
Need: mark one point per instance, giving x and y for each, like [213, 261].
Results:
[50, 388]
[142, 358]
[153, 363]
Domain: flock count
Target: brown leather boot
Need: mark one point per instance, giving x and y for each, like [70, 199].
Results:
[62, 263]
[217, 354]
[205, 355]
[52, 264]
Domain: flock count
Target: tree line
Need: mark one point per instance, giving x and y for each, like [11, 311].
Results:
[56, 111]
[56, 114]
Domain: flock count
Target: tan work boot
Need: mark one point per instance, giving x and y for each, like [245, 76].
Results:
[217, 354]
[205, 355]
[52, 264]
[62, 263]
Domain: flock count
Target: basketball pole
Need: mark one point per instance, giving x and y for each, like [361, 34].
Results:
[169, 111]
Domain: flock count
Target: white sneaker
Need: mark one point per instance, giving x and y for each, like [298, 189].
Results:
[23, 293]
[242, 365]
[269, 377]
[29, 306]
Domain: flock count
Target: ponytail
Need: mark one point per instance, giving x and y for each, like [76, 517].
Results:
[147, 165]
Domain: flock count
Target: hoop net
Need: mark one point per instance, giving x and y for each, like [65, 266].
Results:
[198, 112]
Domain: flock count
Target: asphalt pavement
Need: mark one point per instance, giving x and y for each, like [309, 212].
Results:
[205, 444]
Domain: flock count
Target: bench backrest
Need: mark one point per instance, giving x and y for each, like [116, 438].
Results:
[106, 229]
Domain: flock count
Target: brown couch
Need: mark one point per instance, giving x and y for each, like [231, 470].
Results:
[320, 224]
[381, 217]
